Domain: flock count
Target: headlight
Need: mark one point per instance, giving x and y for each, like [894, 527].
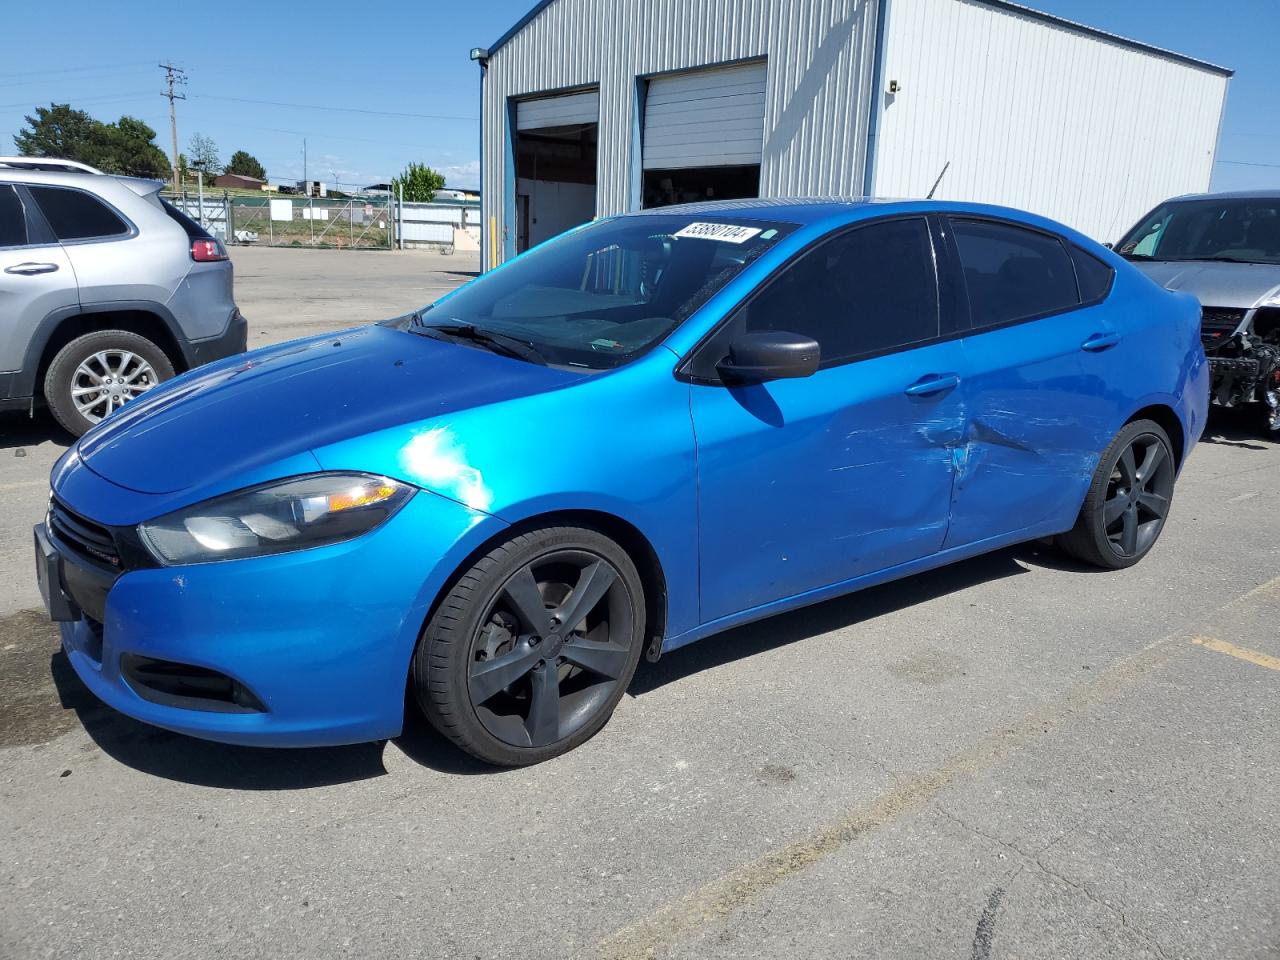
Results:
[275, 518]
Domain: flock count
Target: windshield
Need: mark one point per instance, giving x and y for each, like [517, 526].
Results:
[602, 295]
[1231, 229]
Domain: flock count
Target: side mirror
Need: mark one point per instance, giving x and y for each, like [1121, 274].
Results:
[769, 355]
[1109, 245]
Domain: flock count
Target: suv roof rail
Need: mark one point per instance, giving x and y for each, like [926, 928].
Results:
[47, 163]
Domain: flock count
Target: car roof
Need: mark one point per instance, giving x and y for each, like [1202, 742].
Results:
[70, 173]
[805, 211]
[1230, 195]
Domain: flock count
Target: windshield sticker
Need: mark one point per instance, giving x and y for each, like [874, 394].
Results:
[724, 232]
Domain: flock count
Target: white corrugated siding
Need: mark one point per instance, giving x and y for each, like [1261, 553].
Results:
[706, 118]
[1039, 116]
[820, 55]
[558, 111]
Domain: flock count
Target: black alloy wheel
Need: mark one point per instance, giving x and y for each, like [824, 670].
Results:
[532, 650]
[1128, 501]
[1138, 495]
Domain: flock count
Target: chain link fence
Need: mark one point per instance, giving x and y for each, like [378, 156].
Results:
[365, 223]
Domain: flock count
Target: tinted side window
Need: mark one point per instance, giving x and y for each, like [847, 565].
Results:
[75, 215]
[866, 291]
[1093, 276]
[1012, 274]
[13, 220]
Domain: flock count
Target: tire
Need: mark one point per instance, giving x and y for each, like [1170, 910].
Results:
[138, 363]
[1270, 424]
[494, 655]
[1128, 500]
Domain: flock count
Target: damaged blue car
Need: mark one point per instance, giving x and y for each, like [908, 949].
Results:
[645, 431]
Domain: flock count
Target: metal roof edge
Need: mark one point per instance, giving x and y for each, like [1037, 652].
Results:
[1007, 5]
[519, 25]
[1084, 28]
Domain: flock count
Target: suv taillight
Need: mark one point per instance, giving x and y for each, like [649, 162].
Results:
[205, 250]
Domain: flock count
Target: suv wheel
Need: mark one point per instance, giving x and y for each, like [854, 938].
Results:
[100, 372]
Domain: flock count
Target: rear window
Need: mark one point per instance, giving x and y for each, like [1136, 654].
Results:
[193, 229]
[1013, 274]
[76, 215]
[13, 221]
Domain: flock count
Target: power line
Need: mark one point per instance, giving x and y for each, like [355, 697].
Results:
[317, 106]
[100, 66]
[106, 98]
[322, 136]
[46, 81]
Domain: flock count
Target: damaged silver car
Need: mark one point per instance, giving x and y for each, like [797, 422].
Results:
[1225, 250]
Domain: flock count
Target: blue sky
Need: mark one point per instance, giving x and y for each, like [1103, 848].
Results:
[397, 57]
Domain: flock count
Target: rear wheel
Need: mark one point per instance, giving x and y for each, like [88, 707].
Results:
[100, 372]
[1128, 499]
[529, 653]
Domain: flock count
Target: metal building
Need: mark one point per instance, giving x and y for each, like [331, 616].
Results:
[596, 107]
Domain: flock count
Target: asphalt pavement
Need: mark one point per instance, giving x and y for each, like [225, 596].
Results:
[1013, 757]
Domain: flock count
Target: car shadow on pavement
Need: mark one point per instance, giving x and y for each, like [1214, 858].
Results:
[787, 628]
[20, 430]
[204, 763]
[1235, 427]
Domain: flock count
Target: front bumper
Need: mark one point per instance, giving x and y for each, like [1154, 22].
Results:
[301, 649]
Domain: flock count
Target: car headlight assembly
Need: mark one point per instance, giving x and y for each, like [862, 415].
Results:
[278, 517]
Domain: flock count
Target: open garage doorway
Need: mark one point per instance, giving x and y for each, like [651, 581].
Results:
[556, 146]
[665, 187]
[704, 134]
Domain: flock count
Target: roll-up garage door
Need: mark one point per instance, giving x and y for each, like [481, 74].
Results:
[561, 111]
[707, 118]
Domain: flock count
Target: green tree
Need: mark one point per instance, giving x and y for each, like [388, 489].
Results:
[125, 147]
[247, 165]
[420, 183]
[130, 149]
[204, 155]
[59, 131]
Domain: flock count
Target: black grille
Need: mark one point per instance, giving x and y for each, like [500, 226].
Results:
[1217, 324]
[90, 540]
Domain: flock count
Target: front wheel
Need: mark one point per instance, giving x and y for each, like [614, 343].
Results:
[1128, 499]
[528, 654]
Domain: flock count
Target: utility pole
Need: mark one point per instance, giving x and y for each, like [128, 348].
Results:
[174, 77]
[305, 182]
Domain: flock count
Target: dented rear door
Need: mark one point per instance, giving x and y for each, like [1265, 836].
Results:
[1042, 394]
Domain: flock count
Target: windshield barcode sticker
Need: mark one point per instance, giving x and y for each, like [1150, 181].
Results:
[724, 232]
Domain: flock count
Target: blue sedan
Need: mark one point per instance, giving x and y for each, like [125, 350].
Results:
[651, 429]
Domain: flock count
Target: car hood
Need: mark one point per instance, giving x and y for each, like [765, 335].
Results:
[235, 417]
[1237, 285]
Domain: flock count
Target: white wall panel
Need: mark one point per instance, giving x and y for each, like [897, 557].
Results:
[1041, 116]
[820, 55]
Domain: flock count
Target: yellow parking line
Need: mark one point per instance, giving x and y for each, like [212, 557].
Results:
[722, 896]
[1241, 653]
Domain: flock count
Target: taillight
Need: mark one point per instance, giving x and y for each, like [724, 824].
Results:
[208, 249]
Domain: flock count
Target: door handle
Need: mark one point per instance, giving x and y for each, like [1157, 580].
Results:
[28, 269]
[927, 386]
[1100, 341]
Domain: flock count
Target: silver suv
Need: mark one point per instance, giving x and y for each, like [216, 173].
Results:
[105, 290]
